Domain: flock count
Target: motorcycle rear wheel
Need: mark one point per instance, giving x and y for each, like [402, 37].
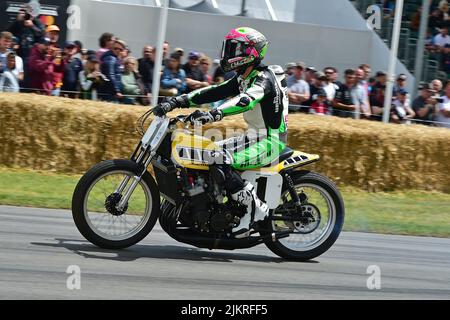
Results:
[326, 206]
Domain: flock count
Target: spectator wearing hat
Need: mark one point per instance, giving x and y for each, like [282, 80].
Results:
[317, 84]
[377, 95]
[173, 81]
[84, 55]
[79, 52]
[112, 68]
[401, 112]
[195, 79]
[180, 52]
[310, 76]
[424, 105]
[298, 89]
[41, 65]
[91, 79]
[53, 32]
[146, 67]
[401, 84]
[320, 106]
[442, 117]
[289, 69]
[72, 68]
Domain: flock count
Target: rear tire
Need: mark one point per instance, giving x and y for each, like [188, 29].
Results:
[315, 179]
[83, 188]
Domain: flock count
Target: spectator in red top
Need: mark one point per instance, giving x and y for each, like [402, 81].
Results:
[320, 104]
[41, 65]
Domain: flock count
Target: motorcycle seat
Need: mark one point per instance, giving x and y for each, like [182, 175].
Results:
[286, 154]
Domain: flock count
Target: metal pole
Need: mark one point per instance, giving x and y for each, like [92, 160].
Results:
[392, 60]
[243, 10]
[159, 51]
[418, 66]
[271, 11]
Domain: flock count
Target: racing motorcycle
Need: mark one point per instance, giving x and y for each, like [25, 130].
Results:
[117, 203]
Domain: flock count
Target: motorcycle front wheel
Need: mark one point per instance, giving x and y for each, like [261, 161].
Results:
[95, 205]
[317, 228]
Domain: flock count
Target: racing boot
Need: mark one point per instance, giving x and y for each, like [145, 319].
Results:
[257, 210]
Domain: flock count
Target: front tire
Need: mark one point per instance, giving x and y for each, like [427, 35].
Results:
[332, 200]
[147, 206]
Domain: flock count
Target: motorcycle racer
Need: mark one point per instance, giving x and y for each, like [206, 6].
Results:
[258, 91]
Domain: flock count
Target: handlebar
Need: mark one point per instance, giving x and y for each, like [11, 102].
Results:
[177, 119]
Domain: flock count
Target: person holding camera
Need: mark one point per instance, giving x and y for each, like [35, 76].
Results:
[28, 29]
[424, 104]
[401, 112]
[443, 108]
[90, 79]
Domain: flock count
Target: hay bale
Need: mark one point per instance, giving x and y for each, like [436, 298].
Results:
[65, 135]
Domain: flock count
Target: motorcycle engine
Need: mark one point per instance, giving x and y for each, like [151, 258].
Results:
[206, 211]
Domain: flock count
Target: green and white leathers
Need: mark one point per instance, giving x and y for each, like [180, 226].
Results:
[262, 97]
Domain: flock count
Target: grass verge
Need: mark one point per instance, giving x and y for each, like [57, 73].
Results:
[408, 213]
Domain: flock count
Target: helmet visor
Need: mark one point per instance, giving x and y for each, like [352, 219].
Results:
[233, 48]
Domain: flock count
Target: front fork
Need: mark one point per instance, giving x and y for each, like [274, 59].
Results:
[142, 157]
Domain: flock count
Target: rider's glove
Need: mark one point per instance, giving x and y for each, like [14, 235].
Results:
[175, 102]
[204, 117]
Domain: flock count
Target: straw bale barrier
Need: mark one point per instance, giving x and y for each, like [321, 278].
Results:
[63, 135]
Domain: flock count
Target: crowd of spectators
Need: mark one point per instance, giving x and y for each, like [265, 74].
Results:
[362, 96]
[437, 39]
[32, 60]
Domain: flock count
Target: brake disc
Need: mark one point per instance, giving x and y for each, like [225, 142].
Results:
[310, 220]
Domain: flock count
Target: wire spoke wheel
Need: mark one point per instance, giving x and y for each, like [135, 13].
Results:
[96, 210]
[105, 219]
[309, 231]
[313, 229]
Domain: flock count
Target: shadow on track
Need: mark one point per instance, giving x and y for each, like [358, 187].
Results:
[87, 250]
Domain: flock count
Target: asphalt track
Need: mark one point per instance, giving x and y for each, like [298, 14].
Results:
[38, 245]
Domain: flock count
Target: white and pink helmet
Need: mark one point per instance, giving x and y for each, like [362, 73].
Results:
[242, 48]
